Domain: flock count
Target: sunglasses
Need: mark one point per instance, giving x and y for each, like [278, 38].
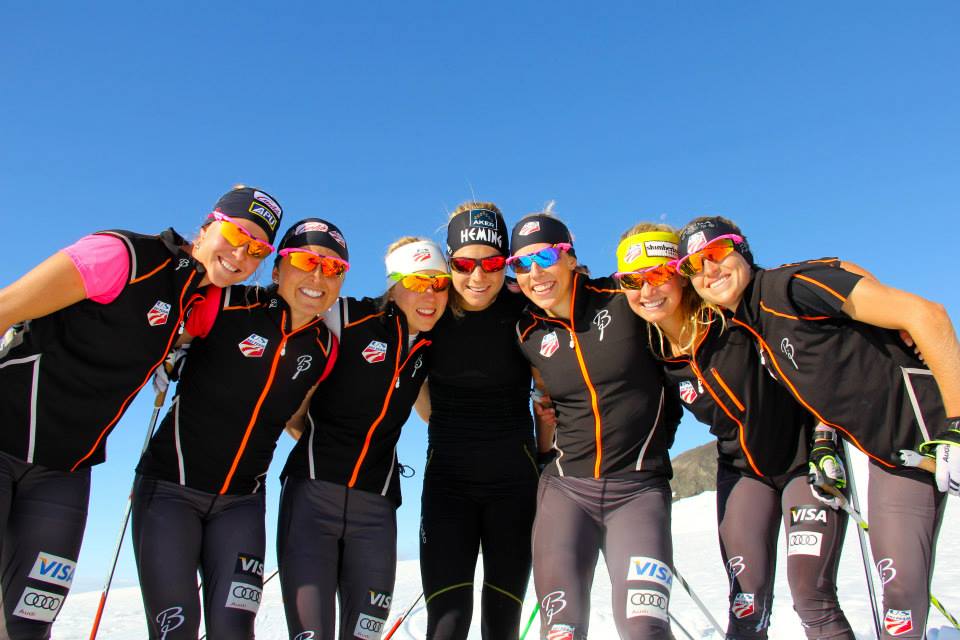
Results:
[654, 276]
[489, 265]
[715, 251]
[544, 258]
[307, 260]
[419, 283]
[237, 236]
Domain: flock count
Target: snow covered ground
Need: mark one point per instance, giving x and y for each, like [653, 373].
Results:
[697, 558]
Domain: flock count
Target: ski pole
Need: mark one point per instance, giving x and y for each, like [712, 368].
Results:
[269, 578]
[533, 616]
[697, 601]
[396, 625]
[157, 406]
[864, 546]
[673, 620]
[865, 527]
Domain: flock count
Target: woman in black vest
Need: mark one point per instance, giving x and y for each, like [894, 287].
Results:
[337, 527]
[763, 442]
[199, 499]
[830, 337]
[607, 488]
[480, 482]
[89, 326]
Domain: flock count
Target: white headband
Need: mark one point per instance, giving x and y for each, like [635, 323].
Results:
[422, 255]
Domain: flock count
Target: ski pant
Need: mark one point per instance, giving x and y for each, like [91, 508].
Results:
[335, 542]
[905, 514]
[459, 517]
[628, 519]
[42, 516]
[177, 530]
[749, 512]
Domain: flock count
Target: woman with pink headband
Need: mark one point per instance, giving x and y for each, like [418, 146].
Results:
[764, 439]
[89, 326]
[337, 530]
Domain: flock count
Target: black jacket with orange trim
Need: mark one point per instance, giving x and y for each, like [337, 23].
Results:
[861, 379]
[355, 416]
[68, 377]
[239, 386]
[760, 429]
[614, 415]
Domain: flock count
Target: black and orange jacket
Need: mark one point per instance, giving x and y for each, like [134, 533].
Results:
[614, 415]
[760, 428]
[68, 377]
[239, 386]
[855, 377]
[355, 416]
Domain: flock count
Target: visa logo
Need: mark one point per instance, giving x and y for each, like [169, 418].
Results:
[650, 569]
[53, 569]
[249, 565]
[381, 600]
[807, 514]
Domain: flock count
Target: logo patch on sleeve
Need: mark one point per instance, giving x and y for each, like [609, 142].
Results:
[253, 346]
[549, 344]
[562, 632]
[158, 315]
[375, 352]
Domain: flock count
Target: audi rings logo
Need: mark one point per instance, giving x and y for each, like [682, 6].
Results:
[40, 601]
[648, 597]
[370, 624]
[246, 593]
[803, 539]
[39, 606]
[368, 627]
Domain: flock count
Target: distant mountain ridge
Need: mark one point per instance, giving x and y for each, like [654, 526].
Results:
[694, 471]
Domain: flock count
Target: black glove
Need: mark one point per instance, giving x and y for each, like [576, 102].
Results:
[825, 467]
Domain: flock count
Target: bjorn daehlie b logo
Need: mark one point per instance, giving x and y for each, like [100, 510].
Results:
[553, 603]
[168, 620]
[303, 363]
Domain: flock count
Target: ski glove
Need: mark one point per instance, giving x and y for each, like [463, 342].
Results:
[825, 468]
[170, 370]
[945, 449]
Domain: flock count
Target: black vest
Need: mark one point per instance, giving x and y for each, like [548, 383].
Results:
[760, 428]
[613, 415]
[856, 377]
[355, 416]
[68, 377]
[239, 386]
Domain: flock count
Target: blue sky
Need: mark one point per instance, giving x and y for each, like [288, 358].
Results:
[822, 128]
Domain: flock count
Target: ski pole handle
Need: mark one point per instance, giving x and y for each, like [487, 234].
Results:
[913, 459]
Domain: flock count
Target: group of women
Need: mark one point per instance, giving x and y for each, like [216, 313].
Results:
[782, 364]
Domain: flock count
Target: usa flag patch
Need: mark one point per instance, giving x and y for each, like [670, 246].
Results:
[549, 345]
[253, 346]
[158, 314]
[898, 622]
[375, 352]
[743, 605]
[687, 393]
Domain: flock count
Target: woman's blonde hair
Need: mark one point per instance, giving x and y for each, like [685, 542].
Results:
[697, 313]
[384, 298]
[455, 301]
